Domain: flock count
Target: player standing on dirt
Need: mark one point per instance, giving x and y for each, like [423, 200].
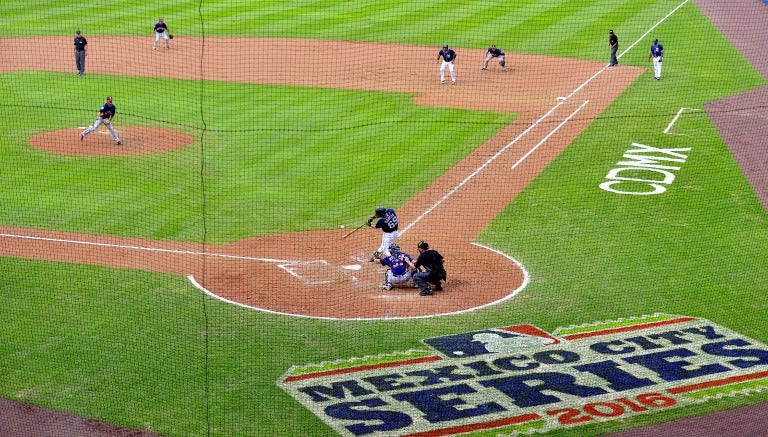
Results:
[80, 52]
[161, 31]
[434, 271]
[495, 52]
[106, 114]
[448, 56]
[388, 223]
[400, 267]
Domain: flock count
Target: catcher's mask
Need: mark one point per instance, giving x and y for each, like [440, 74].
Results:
[394, 248]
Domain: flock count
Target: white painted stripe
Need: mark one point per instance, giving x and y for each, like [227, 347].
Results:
[666, 131]
[520, 136]
[526, 280]
[652, 27]
[149, 249]
[549, 135]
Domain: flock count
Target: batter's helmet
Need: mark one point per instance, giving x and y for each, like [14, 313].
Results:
[380, 211]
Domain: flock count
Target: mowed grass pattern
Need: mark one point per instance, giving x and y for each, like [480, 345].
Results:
[146, 350]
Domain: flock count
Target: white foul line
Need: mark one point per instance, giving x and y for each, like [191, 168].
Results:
[504, 149]
[652, 27]
[544, 140]
[148, 249]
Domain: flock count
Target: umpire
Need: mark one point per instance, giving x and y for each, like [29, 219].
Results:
[434, 271]
[80, 46]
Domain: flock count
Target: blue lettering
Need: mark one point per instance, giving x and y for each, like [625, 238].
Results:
[437, 409]
[388, 420]
[618, 379]
[673, 337]
[605, 347]
[388, 382]
[524, 395]
[707, 332]
[644, 343]
[482, 368]
[668, 370]
[439, 375]
[506, 363]
[725, 349]
[337, 390]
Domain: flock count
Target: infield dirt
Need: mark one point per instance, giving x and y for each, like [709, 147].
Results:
[319, 274]
[119, 56]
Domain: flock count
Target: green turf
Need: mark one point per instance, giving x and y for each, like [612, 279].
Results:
[147, 350]
[254, 158]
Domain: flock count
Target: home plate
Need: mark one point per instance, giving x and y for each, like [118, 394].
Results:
[352, 267]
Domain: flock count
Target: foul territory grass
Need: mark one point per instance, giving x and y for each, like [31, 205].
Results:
[147, 350]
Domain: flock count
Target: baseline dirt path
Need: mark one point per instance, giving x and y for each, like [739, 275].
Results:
[317, 273]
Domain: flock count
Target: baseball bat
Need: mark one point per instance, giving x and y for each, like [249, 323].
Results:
[354, 230]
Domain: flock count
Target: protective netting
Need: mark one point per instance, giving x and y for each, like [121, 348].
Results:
[174, 269]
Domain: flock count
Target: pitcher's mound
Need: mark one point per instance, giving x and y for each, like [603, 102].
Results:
[136, 140]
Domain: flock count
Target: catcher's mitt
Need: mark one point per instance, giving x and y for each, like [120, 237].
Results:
[170, 36]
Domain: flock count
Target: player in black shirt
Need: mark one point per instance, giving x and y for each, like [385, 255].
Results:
[80, 47]
[434, 271]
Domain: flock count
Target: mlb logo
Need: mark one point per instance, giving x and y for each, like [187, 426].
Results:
[492, 341]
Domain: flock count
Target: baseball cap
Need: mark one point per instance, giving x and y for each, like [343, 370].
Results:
[109, 97]
[77, 32]
[610, 31]
[423, 245]
[445, 46]
[655, 40]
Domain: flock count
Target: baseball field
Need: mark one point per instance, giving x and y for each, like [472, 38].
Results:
[604, 233]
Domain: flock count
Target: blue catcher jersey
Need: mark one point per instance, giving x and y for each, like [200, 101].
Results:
[397, 263]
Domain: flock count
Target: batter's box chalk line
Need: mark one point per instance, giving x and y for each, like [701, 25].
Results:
[320, 272]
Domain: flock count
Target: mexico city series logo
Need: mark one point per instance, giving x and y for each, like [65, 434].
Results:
[520, 379]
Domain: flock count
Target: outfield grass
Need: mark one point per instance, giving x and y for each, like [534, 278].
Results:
[146, 350]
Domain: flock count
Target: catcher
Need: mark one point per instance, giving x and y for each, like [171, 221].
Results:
[400, 266]
[494, 52]
[161, 31]
[106, 114]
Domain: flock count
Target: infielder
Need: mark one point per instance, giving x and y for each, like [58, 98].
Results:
[448, 56]
[161, 31]
[657, 53]
[400, 267]
[388, 223]
[494, 52]
[106, 114]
